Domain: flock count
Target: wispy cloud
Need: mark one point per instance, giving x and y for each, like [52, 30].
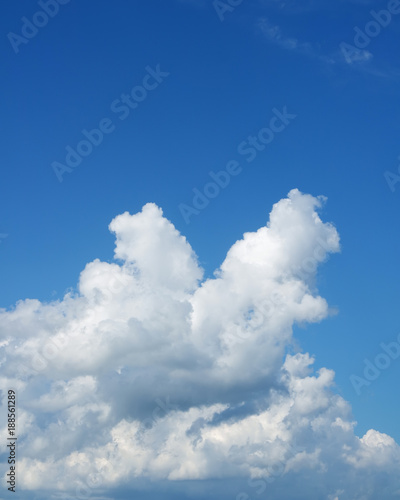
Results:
[274, 34]
[350, 56]
[357, 56]
[354, 51]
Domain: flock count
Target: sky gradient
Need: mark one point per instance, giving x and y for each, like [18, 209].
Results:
[141, 142]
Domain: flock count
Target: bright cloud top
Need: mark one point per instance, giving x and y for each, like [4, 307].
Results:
[150, 372]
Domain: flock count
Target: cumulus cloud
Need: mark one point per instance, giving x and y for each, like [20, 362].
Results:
[150, 372]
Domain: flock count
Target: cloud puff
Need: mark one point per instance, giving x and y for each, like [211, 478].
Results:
[149, 372]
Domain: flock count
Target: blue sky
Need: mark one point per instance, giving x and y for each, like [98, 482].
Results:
[218, 75]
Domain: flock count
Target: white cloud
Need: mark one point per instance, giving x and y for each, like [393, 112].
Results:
[159, 253]
[274, 35]
[352, 56]
[148, 372]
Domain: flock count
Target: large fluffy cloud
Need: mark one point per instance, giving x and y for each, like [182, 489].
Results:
[149, 373]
